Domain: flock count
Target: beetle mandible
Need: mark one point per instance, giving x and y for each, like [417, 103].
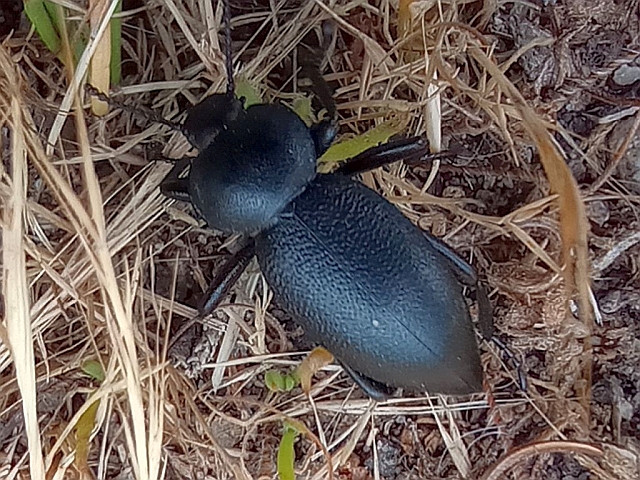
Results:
[384, 297]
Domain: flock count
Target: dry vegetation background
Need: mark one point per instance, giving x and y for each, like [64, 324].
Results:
[99, 266]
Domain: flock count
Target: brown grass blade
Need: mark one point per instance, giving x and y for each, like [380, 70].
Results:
[573, 219]
[15, 286]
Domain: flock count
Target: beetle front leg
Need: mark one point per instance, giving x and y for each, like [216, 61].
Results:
[410, 150]
[226, 277]
[325, 131]
[175, 187]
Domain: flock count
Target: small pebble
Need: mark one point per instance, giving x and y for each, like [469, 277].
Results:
[627, 75]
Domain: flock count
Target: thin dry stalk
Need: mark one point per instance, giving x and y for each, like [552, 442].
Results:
[15, 288]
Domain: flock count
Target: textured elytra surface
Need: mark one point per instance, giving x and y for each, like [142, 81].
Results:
[367, 285]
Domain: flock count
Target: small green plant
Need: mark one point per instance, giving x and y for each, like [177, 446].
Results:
[281, 382]
[68, 39]
[286, 452]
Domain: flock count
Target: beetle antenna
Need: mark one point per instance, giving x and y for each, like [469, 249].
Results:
[146, 112]
[227, 47]
[511, 359]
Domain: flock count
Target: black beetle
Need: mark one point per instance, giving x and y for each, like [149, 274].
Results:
[385, 298]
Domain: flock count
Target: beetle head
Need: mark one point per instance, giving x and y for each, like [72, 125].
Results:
[206, 119]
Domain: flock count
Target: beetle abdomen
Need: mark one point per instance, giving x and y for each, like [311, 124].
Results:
[365, 284]
[252, 169]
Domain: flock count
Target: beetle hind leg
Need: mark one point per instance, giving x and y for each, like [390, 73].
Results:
[466, 275]
[372, 388]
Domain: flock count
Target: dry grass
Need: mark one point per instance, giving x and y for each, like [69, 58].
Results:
[97, 265]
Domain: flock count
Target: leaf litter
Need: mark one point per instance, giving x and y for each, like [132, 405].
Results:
[542, 198]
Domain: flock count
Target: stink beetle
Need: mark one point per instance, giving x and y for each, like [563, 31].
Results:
[385, 298]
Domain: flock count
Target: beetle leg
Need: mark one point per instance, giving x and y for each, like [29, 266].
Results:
[372, 388]
[325, 131]
[146, 112]
[175, 187]
[411, 150]
[226, 278]
[466, 275]
[311, 61]
[323, 134]
[319, 87]
[511, 359]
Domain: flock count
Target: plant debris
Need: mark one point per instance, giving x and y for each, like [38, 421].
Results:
[100, 268]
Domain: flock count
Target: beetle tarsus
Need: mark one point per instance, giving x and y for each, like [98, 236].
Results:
[513, 361]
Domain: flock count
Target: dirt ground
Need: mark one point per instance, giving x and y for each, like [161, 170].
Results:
[575, 63]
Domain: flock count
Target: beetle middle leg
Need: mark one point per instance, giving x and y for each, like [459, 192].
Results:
[226, 277]
[174, 186]
[410, 150]
[219, 287]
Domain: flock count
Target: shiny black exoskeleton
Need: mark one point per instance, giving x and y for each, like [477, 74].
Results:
[385, 298]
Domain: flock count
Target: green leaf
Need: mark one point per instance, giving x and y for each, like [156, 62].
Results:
[116, 47]
[250, 93]
[302, 106]
[279, 382]
[84, 427]
[44, 19]
[274, 381]
[94, 370]
[80, 38]
[290, 382]
[358, 144]
[286, 453]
